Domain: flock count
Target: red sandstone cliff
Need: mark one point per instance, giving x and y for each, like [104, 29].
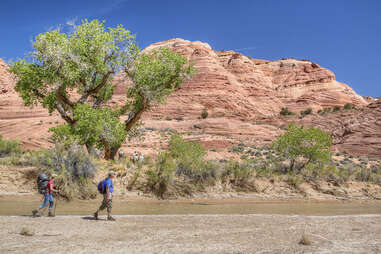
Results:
[243, 97]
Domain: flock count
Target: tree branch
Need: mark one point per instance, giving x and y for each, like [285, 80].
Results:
[96, 89]
[64, 114]
[60, 95]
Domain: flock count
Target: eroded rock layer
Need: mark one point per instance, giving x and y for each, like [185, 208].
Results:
[243, 97]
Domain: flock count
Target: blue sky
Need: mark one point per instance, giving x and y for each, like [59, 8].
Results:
[341, 35]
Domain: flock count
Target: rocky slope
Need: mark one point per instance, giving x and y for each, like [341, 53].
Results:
[356, 131]
[243, 97]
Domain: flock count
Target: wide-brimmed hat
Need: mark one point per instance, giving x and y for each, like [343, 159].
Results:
[111, 172]
[54, 175]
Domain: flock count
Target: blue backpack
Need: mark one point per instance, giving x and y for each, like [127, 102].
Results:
[101, 188]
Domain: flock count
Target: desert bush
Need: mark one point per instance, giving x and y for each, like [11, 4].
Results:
[70, 188]
[9, 147]
[326, 110]
[204, 113]
[73, 160]
[237, 149]
[159, 176]
[151, 128]
[238, 174]
[286, 112]
[349, 106]
[336, 108]
[189, 159]
[168, 118]
[74, 167]
[306, 112]
[180, 118]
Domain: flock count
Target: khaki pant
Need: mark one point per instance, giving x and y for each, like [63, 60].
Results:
[106, 203]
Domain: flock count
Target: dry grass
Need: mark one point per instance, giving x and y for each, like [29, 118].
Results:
[26, 232]
[305, 240]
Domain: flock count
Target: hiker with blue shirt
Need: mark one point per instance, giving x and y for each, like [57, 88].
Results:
[106, 187]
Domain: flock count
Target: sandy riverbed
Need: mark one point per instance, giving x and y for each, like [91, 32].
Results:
[192, 234]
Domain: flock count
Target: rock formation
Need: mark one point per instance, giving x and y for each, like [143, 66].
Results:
[243, 97]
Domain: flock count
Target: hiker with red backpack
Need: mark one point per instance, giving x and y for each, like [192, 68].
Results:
[106, 187]
[46, 187]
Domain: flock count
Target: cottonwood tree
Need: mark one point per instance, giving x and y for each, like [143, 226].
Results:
[71, 73]
[303, 146]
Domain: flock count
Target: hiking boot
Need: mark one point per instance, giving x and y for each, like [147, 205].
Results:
[34, 213]
[110, 218]
[96, 215]
[51, 214]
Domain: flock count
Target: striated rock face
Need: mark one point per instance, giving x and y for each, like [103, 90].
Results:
[231, 85]
[357, 131]
[243, 97]
[29, 125]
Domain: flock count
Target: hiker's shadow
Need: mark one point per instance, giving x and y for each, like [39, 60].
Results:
[90, 218]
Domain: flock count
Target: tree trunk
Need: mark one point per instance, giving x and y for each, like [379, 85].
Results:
[292, 165]
[110, 152]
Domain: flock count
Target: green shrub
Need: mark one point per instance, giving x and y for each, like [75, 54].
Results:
[326, 110]
[168, 118]
[237, 149]
[74, 167]
[9, 147]
[180, 118]
[240, 172]
[73, 159]
[306, 112]
[336, 108]
[244, 157]
[349, 106]
[204, 113]
[159, 176]
[286, 112]
[188, 156]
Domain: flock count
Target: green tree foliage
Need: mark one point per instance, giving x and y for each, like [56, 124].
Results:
[303, 146]
[72, 73]
[93, 127]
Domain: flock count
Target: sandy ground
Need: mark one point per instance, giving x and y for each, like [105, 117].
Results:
[192, 234]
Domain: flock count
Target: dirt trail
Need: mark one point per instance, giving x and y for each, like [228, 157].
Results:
[193, 234]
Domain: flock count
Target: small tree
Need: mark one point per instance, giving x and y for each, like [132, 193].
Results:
[72, 73]
[304, 146]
